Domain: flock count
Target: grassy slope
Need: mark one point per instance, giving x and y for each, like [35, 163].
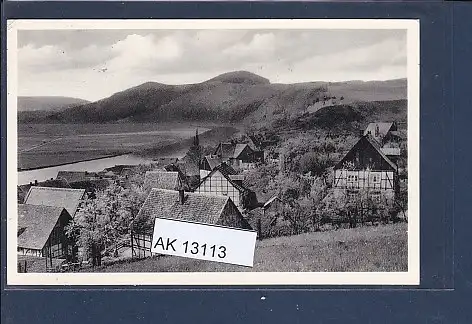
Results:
[380, 248]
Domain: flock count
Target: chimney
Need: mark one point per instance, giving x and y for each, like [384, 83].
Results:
[35, 182]
[181, 196]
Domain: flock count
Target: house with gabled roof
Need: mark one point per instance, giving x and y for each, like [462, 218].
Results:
[366, 168]
[186, 206]
[240, 156]
[161, 179]
[70, 199]
[224, 181]
[210, 162]
[24, 189]
[41, 231]
[379, 131]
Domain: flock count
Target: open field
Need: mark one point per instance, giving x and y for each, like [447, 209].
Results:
[370, 249]
[41, 145]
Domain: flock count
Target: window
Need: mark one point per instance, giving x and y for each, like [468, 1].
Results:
[352, 178]
[376, 197]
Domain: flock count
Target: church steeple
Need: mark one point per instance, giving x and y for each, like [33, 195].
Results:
[196, 141]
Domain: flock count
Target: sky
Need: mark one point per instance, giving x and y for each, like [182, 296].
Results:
[94, 64]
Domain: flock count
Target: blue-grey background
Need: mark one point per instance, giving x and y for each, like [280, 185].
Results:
[445, 158]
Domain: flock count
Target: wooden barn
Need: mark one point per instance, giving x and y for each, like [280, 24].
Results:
[161, 179]
[222, 182]
[365, 167]
[182, 205]
[70, 199]
[41, 231]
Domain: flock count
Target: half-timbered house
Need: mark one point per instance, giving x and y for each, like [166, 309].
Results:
[180, 205]
[222, 182]
[366, 168]
[41, 231]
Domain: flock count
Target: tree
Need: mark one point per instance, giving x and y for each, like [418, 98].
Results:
[103, 222]
[195, 152]
[86, 229]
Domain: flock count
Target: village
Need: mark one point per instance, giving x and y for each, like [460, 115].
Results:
[81, 220]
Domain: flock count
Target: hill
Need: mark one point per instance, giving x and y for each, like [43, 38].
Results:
[234, 97]
[51, 103]
[347, 117]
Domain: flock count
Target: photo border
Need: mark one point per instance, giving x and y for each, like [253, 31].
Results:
[412, 277]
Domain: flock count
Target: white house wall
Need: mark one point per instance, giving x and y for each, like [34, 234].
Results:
[204, 173]
[364, 179]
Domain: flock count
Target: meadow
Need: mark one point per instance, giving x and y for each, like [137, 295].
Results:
[367, 249]
[42, 145]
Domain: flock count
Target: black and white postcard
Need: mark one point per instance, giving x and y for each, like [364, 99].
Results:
[213, 152]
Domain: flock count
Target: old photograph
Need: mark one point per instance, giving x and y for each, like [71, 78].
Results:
[213, 152]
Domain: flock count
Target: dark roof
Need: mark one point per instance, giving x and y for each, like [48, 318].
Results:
[162, 179]
[56, 183]
[35, 224]
[230, 150]
[239, 148]
[118, 168]
[75, 176]
[255, 142]
[213, 161]
[226, 150]
[58, 197]
[196, 207]
[92, 184]
[374, 144]
[226, 169]
[174, 168]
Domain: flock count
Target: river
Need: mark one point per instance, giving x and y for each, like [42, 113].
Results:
[25, 177]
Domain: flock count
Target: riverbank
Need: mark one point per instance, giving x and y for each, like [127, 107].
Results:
[50, 145]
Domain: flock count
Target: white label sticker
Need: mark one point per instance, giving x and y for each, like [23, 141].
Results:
[204, 241]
